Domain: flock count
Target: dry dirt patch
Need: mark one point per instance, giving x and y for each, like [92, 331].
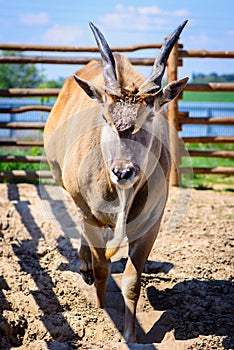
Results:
[187, 288]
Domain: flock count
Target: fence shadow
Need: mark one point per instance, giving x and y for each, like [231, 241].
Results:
[63, 217]
[29, 261]
[194, 308]
[6, 328]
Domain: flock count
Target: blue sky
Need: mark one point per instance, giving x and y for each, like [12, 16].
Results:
[55, 22]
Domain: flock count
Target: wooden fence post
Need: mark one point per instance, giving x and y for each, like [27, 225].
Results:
[172, 67]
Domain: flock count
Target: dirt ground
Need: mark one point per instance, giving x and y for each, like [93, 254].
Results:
[187, 297]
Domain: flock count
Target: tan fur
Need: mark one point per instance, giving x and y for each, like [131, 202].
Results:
[74, 149]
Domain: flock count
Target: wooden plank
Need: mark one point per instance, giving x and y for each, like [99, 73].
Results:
[207, 153]
[47, 60]
[213, 171]
[29, 92]
[22, 159]
[173, 118]
[206, 139]
[22, 125]
[66, 60]
[183, 114]
[210, 87]
[21, 143]
[207, 120]
[22, 174]
[23, 109]
[205, 54]
[54, 48]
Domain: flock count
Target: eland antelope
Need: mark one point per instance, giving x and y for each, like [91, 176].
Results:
[107, 143]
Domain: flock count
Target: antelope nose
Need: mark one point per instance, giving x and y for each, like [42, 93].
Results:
[122, 174]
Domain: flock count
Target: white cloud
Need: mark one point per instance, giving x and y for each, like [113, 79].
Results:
[142, 18]
[155, 10]
[63, 35]
[180, 13]
[41, 18]
[149, 10]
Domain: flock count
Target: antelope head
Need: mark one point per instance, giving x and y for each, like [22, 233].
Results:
[132, 115]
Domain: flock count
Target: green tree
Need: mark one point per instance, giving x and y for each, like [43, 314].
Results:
[49, 84]
[201, 78]
[18, 75]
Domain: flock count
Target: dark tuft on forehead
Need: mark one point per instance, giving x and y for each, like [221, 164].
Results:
[124, 111]
[124, 114]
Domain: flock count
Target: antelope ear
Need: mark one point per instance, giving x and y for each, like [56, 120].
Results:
[172, 90]
[93, 91]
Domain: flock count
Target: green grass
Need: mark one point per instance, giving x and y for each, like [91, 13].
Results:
[206, 180]
[33, 151]
[203, 96]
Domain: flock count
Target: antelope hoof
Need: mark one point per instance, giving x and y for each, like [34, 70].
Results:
[87, 276]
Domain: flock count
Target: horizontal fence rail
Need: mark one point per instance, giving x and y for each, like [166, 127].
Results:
[22, 125]
[207, 139]
[24, 174]
[207, 153]
[177, 118]
[29, 92]
[206, 120]
[210, 87]
[23, 159]
[19, 143]
[205, 54]
[66, 60]
[211, 171]
[24, 109]
[47, 48]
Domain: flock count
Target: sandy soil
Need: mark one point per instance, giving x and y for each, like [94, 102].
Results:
[187, 296]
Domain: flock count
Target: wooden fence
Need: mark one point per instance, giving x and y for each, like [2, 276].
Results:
[176, 118]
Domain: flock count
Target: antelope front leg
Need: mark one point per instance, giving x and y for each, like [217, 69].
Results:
[93, 250]
[131, 284]
[131, 281]
[101, 269]
[86, 269]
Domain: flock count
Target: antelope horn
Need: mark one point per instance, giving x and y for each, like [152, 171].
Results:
[153, 83]
[108, 61]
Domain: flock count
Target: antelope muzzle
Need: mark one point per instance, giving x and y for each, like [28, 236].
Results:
[124, 174]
